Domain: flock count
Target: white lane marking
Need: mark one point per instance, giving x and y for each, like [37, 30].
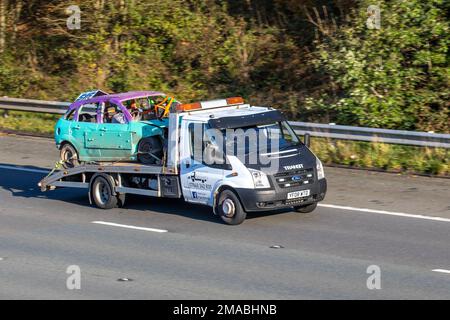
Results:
[441, 270]
[128, 226]
[24, 169]
[399, 214]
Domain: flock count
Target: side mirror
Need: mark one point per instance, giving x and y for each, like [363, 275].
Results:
[307, 139]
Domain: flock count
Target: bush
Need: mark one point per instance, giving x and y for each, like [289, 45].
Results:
[393, 77]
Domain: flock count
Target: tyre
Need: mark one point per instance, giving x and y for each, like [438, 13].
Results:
[69, 156]
[306, 209]
[102, 193]
[230, 208]
[149, 145]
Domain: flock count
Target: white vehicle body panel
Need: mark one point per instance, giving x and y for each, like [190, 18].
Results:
[197, 179]
[200, 182]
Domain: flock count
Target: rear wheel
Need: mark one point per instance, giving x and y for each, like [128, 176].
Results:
[102, 193]
[230, 209]
[306, 209]
[69, 156]
[149, 150]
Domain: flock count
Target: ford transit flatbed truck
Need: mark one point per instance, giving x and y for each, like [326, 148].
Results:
[226, 154]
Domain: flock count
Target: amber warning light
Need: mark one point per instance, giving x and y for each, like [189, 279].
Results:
[210, 104]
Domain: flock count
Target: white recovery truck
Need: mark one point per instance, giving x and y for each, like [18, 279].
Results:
[226, 154]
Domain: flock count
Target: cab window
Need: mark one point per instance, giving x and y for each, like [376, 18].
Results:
[198, 141]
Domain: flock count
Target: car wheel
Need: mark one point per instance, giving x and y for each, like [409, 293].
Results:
[230, 209]
[68, 156]
[102, 193]
[306, 209]
[148, 146]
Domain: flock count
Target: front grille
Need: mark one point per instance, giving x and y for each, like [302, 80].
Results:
[281, 203]
[295, 178]
[299, 200]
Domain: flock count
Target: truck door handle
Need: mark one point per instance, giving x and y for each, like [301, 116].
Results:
[77, 127]
[102, 129]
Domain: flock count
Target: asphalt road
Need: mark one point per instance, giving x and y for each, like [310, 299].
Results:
[325, 254]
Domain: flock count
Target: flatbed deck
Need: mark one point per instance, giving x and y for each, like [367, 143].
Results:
[57, 178]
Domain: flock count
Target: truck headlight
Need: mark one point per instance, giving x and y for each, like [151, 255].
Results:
[260, 179]
[319, 167]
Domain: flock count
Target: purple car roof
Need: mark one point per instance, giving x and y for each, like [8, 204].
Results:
[118, 97]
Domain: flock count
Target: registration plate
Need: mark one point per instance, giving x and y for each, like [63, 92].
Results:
[298, 194]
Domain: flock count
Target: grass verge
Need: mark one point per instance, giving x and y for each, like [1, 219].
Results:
[390, 157]
[28, 122]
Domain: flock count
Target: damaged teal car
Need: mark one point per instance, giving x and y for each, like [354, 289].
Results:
[130, 126]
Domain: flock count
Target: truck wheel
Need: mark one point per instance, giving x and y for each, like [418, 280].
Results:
[102, 194]
[306, 209]
[69, 156]
[230, 208]
[149, 145]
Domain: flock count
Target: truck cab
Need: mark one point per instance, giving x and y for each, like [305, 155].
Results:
[239, 158]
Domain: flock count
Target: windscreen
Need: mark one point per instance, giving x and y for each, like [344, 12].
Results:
[270, 137]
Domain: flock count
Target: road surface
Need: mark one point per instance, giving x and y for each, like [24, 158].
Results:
[173, 250]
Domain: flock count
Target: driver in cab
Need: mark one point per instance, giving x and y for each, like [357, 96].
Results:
[112, 115]
[135, 111]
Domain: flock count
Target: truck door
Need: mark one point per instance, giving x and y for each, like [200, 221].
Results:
[197, 178]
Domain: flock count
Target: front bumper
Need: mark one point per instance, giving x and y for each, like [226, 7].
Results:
[265, 200]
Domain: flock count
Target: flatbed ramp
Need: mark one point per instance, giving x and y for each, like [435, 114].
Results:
[165, 181]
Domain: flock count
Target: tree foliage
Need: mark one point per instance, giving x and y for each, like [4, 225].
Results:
[314, 59]
[393, 77]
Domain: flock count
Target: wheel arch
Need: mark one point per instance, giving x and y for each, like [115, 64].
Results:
[143, 138]
[157, 136]
[66, 141]
[108, 177]
[218, 191]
